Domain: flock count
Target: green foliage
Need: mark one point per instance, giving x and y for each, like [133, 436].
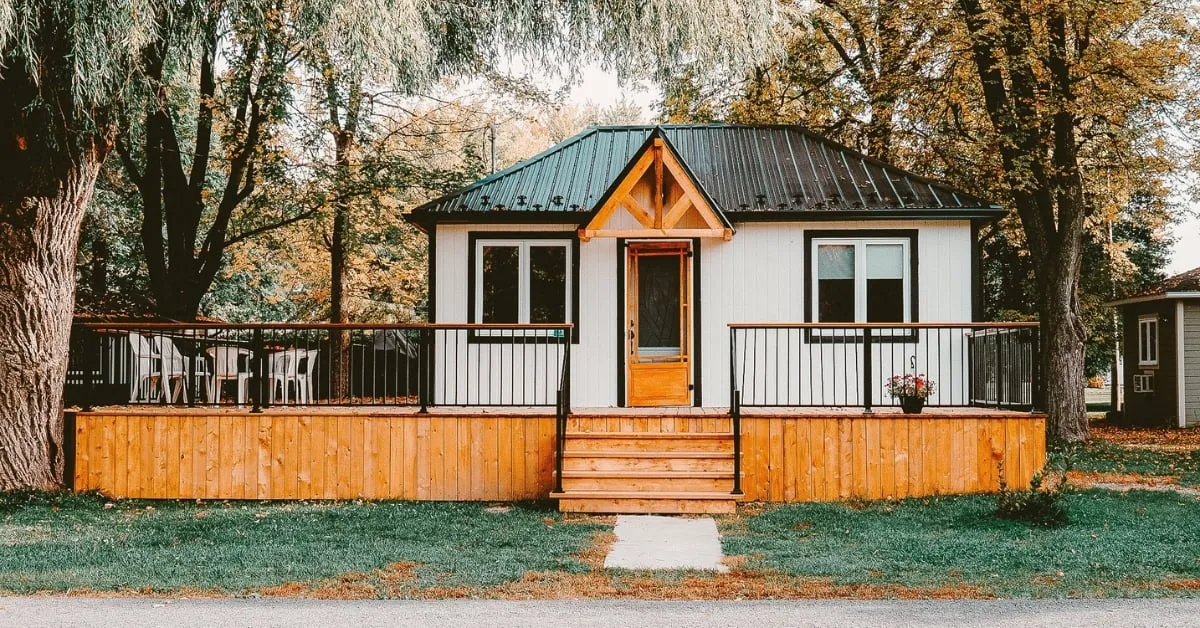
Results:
[60, 542]
[1039, 505]
[1115, 544]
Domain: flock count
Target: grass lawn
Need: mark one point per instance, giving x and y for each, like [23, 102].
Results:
[64, 542]
[1100, 456]
[1136, 543]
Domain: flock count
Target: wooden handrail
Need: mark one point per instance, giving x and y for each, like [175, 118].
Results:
[1010, 325]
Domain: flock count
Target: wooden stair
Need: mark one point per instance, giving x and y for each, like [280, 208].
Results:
[647, 472]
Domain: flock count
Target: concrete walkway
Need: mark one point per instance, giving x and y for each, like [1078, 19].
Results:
[38, 612]
[654, 542]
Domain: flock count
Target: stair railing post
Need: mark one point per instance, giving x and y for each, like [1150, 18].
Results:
[736, 417]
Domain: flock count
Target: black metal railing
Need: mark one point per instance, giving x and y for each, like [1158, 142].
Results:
[318, 364]
[850, 365]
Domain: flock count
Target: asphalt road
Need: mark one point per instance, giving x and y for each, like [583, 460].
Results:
[57, 611]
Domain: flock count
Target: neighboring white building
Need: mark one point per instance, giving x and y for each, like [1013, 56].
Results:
[653, 240]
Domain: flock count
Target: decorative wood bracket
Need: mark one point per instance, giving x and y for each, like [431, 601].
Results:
[661, 169]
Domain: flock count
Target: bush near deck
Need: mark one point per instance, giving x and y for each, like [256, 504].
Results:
[1136, 543]
[62, 542]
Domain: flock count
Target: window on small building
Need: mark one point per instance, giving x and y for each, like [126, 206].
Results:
[863, 280]
[1143, 383]
[1148, 340]
[523, 281]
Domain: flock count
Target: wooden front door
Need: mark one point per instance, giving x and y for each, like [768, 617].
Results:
[658, 341]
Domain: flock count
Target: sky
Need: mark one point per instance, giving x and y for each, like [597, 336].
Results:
[602, 88]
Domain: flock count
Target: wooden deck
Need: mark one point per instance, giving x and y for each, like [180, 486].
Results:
[621, 458]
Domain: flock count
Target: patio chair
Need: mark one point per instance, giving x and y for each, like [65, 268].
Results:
[281, 369]
[228, 366]
[174, 368]
[305, 370]
[144, 369]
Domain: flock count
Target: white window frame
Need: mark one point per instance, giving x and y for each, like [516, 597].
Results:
[860, 274]
[523, 273]
[1143, 382]
[1145, 321]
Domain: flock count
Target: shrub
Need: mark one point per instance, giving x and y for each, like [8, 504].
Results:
[1096, 381]
[1044, 503]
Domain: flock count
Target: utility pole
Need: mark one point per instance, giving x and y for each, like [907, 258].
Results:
[1115, 396]
[492, 144]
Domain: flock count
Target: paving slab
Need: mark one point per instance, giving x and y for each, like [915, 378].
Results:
[657, 542]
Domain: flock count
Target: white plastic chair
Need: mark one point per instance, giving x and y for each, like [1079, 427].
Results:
[305, 368]
[227, 366]
[174, 367]
[281, 369]
[143, 369]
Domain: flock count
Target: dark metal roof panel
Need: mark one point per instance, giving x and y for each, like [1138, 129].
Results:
[782, 168]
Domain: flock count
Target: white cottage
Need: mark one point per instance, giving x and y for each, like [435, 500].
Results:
[654, 240]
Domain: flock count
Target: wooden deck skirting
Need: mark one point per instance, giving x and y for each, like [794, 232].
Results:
[508, 454]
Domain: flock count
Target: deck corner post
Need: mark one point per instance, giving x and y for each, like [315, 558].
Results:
[425, 375]
[1036, 402]
[90, 341]
[259, 372]
[868, 366]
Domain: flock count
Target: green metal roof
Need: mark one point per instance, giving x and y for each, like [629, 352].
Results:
[749, 172]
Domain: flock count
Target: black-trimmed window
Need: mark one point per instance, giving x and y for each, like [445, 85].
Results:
[523, 280]
[1148, 340]
[861, 280]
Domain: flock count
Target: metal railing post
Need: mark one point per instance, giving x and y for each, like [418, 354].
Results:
[258, 369]
[425, 374]
[89, 384]
[868, 359]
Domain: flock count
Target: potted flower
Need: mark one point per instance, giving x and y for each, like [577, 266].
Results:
[911, 389]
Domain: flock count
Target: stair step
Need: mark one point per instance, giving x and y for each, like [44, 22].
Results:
[653, 435]
[588, 473]
[647, 481]
[687, 502]
[659, 442]
[649, 454]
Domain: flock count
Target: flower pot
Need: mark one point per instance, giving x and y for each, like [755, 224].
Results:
[912, 405]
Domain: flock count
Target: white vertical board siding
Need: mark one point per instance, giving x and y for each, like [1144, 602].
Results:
[1191, 362]
[483, 373]
[758, 276]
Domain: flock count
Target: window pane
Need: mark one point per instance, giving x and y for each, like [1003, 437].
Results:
[1152, 344]
[836, 301]
[885, 261]
[547, 284]
[885, 300]
[658, 301]
[835, 261]
[501, 284]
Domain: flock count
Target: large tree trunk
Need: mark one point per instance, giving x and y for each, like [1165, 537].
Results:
[339, 340]
[38, 240]
[1063, 355]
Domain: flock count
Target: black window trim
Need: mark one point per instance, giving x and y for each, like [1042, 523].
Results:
[472, 281]
[862, 234]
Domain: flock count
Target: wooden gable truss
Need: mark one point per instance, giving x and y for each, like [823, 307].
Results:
[663, 200]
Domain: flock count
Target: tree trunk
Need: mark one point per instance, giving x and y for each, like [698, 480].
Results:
[38, 240]
[1063, 358]
[339, 340]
